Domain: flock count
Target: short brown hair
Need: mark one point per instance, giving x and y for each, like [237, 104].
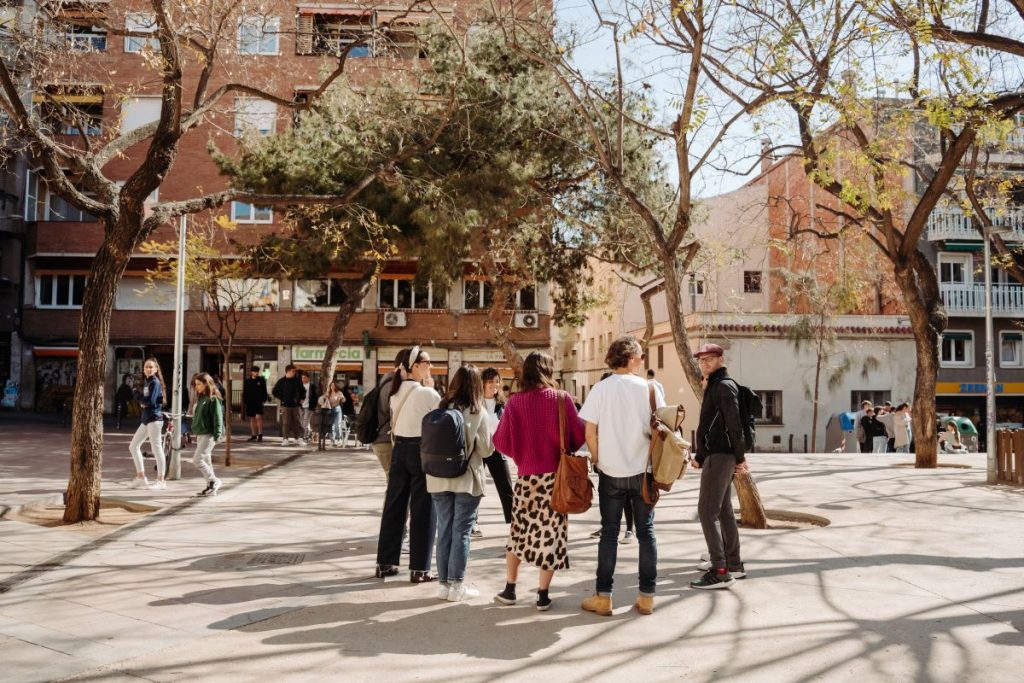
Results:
[538, 371]
[621, 351]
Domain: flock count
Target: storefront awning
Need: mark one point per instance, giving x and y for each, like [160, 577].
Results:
[55, 352]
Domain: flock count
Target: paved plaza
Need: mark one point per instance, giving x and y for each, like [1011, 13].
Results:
[919, 577]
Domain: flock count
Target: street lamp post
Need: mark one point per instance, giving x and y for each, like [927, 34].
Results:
[179, 343]
[990, 363]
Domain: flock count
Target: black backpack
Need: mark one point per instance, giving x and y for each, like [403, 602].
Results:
[367, 424]
[443, 450]
[750, 406]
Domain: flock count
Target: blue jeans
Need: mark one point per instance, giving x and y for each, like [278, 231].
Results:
[614, 494]
[336, 424]
[455, 514]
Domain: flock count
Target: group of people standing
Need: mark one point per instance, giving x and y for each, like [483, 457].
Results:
[885, 429]
[300, 400]
[532, 428]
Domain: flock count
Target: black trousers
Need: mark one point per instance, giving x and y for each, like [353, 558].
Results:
[407, 493]
[498, 467]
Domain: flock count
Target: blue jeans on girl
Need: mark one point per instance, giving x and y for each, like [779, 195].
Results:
[456, 514]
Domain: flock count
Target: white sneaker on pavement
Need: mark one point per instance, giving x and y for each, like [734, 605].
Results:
[215, 486]
[158, 486]
[460, 591]
[139, 483]
[443, 591]
[627, 538]
[705, 562]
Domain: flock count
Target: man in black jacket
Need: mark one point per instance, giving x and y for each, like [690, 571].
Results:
[720, 448]
[254, 395]
[289, 391]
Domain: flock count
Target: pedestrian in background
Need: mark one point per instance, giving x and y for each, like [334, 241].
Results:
[332, 402]
[721, 453]
[617, 415]
[496, 463]
[254, 395]
[407, 484]
[122, 398]
[289, 391]
[457, 499]
[308, 405]
[529, 434]
[208, 426]
[151, 400]
[382, 446]
[903, 432]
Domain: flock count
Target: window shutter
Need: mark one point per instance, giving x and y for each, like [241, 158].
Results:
[304, 34]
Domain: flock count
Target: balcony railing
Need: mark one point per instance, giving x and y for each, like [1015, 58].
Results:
[1007, 300]
[953, 224]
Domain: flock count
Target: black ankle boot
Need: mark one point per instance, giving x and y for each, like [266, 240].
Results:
[385, 570]
[421, 576]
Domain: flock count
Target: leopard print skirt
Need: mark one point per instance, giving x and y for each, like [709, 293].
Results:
[538, 534]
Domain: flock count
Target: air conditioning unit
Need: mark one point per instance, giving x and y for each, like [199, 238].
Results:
[527, 321]
[395, 319]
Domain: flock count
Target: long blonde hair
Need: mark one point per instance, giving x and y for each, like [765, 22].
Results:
[211, 386]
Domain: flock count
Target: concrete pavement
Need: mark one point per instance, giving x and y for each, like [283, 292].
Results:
[920, 577]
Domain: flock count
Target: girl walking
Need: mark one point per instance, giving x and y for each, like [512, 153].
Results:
[529, 433]
[151, 400]
[457, 499]
[407, 485]
[335, 399]
[208, 426]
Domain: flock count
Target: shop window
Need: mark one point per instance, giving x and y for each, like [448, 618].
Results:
[242, 212]
[957, 349]
[751, 282]
[771, 407]
[1011, 355]
[259, 35]
[140, 22]
[60, 291]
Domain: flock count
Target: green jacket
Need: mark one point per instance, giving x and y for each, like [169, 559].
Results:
[208, 417]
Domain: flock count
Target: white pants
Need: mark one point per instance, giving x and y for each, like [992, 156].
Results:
[203, 459]
[879, 444]
[151, 431]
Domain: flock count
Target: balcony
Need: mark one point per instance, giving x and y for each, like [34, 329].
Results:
[1007, 300]
[950, 223]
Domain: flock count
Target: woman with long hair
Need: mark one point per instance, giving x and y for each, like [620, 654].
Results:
[332, 401]
[457, 499]
[151, 400]
[208, 426]
[496, 463]
[407, 485]
[529, 433]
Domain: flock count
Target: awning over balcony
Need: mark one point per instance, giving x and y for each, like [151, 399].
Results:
[964, 246]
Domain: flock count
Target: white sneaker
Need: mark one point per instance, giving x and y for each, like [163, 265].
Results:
[215, 486]
[705, 562]
[139, 483]
[627, 538]
[158, 486]
[443, 591]
[334, 444]
[460, 591]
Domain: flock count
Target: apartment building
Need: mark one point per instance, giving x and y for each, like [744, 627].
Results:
[739, 295]
[292, 44]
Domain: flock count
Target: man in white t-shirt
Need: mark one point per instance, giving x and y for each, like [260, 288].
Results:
[617, 415]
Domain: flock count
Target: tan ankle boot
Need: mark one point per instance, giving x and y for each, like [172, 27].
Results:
[598, 604]
[645, 604]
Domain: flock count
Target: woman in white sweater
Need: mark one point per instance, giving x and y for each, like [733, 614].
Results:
[407, 486]
[457, 499]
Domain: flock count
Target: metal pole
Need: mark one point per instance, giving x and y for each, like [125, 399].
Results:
[990, 370]
[179, 343]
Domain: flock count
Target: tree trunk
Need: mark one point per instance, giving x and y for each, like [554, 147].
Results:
[927, 320]
[817, 393]
[355, 291]
[227, 406]
[82, 498]
[752, 515]
[497, 324]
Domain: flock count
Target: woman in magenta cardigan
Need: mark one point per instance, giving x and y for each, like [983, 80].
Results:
[528, 433]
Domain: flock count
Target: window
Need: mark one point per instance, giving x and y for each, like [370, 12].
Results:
[751, 282]
[954, 269]
[140, 22]
[1010, 351]
[398, 37]
[135, 293]
[242, 212]
[71, 110]
[771, 407]
[259, 35]
[137, 112]
[402, 292]
[56, 208]
[250, 294]
[661, 356]
[59, 291]
[479, 294]
[331, 33]
[31, 196]
[877, 398]
[957, 349]
[697, 286]
[255, 114]
[83, 37]
[526, 298]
